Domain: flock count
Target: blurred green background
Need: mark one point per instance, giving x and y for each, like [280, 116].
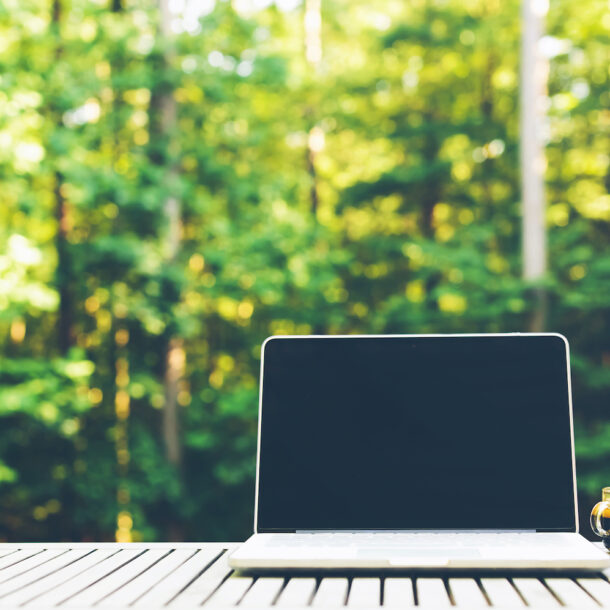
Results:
[176, 185]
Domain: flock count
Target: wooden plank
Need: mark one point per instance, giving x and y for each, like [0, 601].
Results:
[177, 581]
[599, 588]
[398, 592]
[205, 584]
[535, 593]
[58, 579]
[94, 574]
[230, 592]
[145, 581]
[332, 592]
[501, 592]
[17, 556]
[364, 592]
[44, 575]
[95, 592]
[263, 592]
[432, 592]
[4, 551]
[41, 572]
[28, 564]
[466, 593]
[569, 592]
[297, 593]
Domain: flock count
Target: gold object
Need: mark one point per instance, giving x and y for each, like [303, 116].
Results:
[600, 517]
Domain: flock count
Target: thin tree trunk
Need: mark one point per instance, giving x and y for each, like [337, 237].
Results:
[119, 349]
[314, 198]
[312, 39]
[431, 188]
[174, 352]
[487, 110]
[121, 439]
[174, 370]
[533, 86]
[65, 335]
[431, 196]
[312, 25]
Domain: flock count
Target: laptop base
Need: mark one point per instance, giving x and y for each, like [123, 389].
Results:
[419, 551]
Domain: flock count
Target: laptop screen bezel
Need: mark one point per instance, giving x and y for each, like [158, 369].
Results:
[257, 530]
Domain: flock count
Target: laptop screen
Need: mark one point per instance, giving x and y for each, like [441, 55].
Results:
[415, 432]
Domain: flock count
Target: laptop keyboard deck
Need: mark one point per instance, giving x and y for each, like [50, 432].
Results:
[422, 540]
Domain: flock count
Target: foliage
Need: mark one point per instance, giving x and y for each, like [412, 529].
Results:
[378, 192]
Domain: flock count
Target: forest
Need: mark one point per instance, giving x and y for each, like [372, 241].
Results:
[180, 180]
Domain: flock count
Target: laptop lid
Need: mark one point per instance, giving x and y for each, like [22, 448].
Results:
[415, 432]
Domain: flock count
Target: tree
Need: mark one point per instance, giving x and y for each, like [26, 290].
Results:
[181, 166]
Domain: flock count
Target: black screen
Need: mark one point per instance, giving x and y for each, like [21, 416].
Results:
[461, 432]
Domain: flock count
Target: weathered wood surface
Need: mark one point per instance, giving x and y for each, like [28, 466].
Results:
[179, 576]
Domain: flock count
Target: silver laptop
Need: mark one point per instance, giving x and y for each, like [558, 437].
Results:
[416, 451]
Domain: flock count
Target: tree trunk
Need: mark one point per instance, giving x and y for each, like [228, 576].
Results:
[533, 86]
[174, 352]
[174, 369]
[431, 188]
[65, 334]
[63, 275]
[312, 26]
[311, 169]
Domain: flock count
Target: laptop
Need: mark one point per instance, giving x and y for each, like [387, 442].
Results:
[416, 452]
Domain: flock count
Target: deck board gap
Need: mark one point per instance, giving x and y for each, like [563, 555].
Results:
[315, 590]
[135, 601]
[132, 578]
[69, 578]
[212, 561]
[577, 583]
[222, 582]
[48, 574]
[63, 601]
[10, 565]
[277, 595]
[30, 568]
[546, 586]
[332, 591]
[483, 592]
[9, 553]
[414, 585]
[348, 592]
[238, 602]
[521, 596]
[449, 591]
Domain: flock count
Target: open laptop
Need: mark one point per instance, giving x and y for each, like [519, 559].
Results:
[416, 451]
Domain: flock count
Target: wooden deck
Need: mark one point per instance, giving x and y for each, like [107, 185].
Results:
[78, 576]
